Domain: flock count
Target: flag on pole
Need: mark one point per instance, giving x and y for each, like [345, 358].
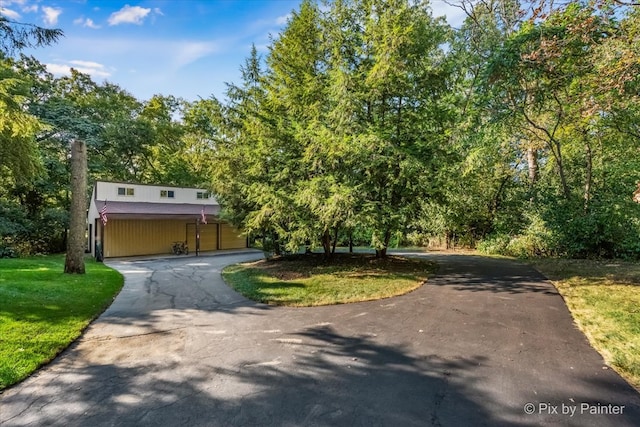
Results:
[203, 216]
[103, 213]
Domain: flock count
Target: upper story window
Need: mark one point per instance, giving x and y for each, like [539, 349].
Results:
[167, 193]
[202, 195]
[125, 191]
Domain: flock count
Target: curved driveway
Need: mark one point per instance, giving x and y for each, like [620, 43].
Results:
[479, 341]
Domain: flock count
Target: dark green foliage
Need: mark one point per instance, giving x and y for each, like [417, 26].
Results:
[372, 123]
[342, 130]
[25, 233]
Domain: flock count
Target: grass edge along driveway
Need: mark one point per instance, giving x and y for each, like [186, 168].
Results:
[43, 310]
[308, 280]
[604, 300]
[603, 297]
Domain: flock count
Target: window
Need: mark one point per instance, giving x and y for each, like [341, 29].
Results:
[122, 191]
[202, 195]
[167, 193]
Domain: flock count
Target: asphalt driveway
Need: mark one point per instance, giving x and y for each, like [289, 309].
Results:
[484, 342]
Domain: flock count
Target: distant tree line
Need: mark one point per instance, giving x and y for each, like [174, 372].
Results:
[367, 122]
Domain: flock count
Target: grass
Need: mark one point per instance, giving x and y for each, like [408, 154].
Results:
[604, 299]
[307, 280]
[42, 310]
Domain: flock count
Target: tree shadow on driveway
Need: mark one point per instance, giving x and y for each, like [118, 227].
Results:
[319, 378]
[483, 274]
[329, 380]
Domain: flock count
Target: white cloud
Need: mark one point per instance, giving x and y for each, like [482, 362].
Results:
[51, 15]
[129, 15]
[11, 14]
[188, 52]
[29, 9]
[157, 11]
[94, 69]
[59, 69]
[88, 22]
[281, 20]
[87, 64]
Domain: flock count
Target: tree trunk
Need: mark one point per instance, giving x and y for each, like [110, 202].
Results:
[449, 240]
[382, 253]
[326, 244]
[560, 165]
[74, 262]
[276, 244]
[335, 241]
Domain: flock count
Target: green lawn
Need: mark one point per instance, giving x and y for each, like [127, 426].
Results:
[307, 280]
[604, 299]
[42, 310]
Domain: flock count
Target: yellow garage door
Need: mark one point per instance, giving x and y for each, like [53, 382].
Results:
[208, 237]
[128, 237]
[231, 238]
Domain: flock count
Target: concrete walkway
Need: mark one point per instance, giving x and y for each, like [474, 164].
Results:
[482, 343]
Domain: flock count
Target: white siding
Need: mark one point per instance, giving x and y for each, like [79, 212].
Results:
[151, 193]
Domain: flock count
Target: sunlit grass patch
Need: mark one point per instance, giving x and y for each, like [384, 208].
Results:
[42, 310]
[604, 299]
[309, 280]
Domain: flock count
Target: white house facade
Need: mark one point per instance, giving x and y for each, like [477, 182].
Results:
[127, 219]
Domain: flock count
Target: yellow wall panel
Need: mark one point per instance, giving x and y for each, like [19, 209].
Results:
[231, 238]
[128, 237]
[208, 237]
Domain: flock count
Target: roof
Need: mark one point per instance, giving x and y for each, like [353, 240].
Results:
[144, 210]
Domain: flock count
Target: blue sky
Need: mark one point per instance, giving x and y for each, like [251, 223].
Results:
[186, 48]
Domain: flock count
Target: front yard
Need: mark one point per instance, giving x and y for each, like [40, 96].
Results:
[43, 310]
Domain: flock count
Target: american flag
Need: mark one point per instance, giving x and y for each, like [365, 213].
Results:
[103, 213]
[204, 217]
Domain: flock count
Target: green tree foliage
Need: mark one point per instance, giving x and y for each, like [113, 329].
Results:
[18, 129]
[20, 157]
[408, 121]
[18, 150]
[366, 121]
[546, 84]
[343, 127]
[478, 174]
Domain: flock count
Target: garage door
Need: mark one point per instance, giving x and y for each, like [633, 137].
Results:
[208, 237]
[128, 237]
[231, 238]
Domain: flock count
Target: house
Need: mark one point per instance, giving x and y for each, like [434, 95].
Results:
[147, 219]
